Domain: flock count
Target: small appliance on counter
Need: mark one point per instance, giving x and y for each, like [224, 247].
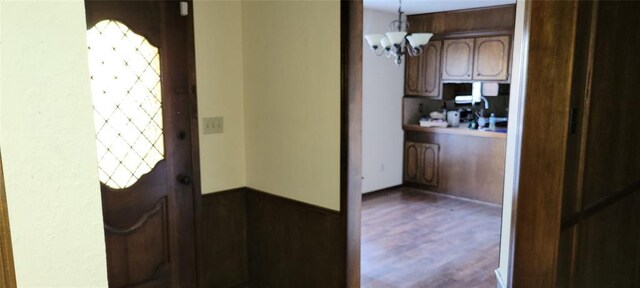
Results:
[453, 118]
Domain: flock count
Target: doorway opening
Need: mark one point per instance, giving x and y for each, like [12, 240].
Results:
[432, 202]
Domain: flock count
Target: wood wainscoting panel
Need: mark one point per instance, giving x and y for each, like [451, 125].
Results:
[223, 231]
[251, 238]
[461, 21]
[293, 244]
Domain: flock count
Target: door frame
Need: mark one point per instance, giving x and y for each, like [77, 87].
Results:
[7, 269]
[532, 252]
[195, 144]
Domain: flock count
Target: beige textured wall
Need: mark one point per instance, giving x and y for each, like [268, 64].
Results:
[48, 146]
[219, 69]
[292, 99]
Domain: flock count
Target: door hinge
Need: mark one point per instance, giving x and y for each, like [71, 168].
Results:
[184, 8]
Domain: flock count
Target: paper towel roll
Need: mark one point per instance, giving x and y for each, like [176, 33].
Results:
[489, 89]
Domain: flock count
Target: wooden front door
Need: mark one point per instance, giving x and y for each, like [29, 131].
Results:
[139, 63]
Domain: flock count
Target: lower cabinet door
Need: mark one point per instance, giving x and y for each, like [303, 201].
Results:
[411, 161]
[429, 165]
[421, 163]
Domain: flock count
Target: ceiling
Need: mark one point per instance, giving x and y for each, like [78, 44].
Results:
[427, 6]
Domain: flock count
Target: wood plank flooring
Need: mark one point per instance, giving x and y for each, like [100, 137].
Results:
[415, 239]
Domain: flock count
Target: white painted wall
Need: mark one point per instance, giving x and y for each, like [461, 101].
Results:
[382, 91]
[48, 146]
[516, 109]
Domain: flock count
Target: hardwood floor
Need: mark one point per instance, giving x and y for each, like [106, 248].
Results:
[411, 238]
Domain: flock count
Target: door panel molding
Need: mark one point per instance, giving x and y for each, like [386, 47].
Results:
[141, 221]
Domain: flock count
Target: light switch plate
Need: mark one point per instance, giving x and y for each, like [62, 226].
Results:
[213, 125]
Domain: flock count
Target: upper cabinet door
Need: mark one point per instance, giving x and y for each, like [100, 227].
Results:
[430, 77]
[458, 59]
[412, 76]
[422, 73]
[492, 58]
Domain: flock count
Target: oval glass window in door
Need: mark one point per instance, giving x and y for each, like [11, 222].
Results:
[127, 103]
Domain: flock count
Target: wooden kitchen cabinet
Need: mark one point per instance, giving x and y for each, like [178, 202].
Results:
[457, 63]
[411, 161]
[482, 59]
[422, 73]
[412, 76]
[421, 163]
[491, 58]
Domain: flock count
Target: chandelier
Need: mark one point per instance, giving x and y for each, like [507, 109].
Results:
[394, 43]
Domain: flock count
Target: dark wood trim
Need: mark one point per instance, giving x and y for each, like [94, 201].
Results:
[540, 187]
[600, 205]
[196, 186]
[7, 270]
[472, 34]
[351, 29]
[465, 10]
[296, 202]
[195, 139]
[208, 195]
[496, 19]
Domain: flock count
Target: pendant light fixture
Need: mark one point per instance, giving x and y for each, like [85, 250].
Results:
[394, 43]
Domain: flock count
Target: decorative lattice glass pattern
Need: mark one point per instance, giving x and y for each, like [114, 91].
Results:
[127, 103]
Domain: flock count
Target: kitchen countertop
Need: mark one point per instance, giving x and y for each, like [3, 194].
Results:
[461, 130]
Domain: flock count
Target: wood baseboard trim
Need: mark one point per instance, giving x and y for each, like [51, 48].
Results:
[429, 189]
[375, 193]
[232, 190]
[458, 198]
